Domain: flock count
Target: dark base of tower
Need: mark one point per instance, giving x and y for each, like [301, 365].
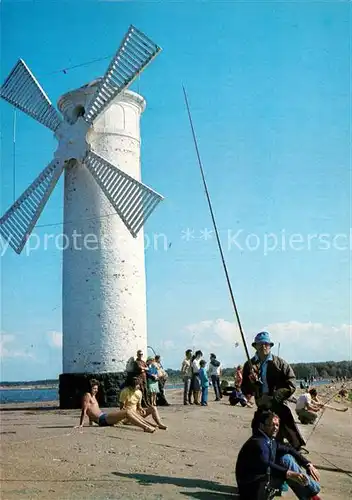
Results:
[72, 387]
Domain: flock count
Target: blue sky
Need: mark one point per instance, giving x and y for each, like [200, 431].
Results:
[269, 90]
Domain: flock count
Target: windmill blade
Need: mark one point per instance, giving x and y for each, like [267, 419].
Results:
[18, 222]
[134, 54]
[22, 90]
[132, 200]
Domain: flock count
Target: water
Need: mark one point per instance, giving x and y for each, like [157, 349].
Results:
[43, 395]
[28, 395]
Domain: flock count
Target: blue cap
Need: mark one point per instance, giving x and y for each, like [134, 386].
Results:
[262, 338]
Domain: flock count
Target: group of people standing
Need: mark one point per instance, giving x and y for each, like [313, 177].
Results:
[196, 378]
[151, 378]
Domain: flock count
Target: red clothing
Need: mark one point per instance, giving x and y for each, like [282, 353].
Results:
[238, 378]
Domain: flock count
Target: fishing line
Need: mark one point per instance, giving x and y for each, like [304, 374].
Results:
[321, 415]
[216, 232]
[314, 429]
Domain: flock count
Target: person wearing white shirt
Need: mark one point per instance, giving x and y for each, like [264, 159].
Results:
[214, 372]
[196, 385]
[306, 409]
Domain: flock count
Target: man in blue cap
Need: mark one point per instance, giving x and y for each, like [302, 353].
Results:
[272, 382]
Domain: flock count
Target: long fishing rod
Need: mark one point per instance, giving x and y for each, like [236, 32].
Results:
[216, 233]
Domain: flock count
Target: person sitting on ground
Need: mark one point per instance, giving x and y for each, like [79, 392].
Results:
[306, 408]
[131, 400]
[237, 396]
[90, 408]
[263, 465]
[316, 401]
[343, 393]
[204, 380]
[314, 393]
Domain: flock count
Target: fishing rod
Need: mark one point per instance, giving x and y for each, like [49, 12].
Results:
[322, 413]
[217, 233]
[348, 473]
[155, 354]
[343, 410]
[150, 347]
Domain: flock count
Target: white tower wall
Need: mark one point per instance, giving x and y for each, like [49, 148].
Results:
[104, 290]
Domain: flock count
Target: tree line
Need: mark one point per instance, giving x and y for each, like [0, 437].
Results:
[323, 369]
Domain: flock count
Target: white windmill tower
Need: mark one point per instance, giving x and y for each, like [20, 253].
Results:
[105, 208]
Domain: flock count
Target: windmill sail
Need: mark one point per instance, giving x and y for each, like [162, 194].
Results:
[22, 90]
[133, 55]
[18, 222]
[132, 200]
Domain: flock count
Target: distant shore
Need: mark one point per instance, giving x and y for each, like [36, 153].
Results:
[27, 387]
[24, 386]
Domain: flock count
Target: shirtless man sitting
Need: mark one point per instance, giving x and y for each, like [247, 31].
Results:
[90, 408]
[131, 400]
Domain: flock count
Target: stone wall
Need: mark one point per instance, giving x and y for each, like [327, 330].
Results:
[72, 387]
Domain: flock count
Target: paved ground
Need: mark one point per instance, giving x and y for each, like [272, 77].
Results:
[43, 457]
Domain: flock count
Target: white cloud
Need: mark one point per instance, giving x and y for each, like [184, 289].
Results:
[9, 350]
[299, 341]
[168, 344]
[55, 339]
[5, 339]
[312, 341]
[219, 336]
[214, 333]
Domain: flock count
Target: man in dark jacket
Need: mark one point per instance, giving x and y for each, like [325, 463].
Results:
[140, 370]
[272, 381]
[214, 372]
[263, 465]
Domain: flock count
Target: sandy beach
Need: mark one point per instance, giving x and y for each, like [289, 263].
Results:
[43, 456]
